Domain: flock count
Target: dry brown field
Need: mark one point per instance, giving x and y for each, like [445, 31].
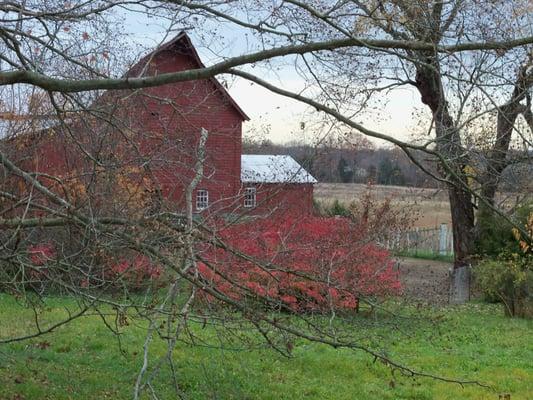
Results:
[429, 207]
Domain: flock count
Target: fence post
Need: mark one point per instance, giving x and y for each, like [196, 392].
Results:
[417, 240]
[443, 233]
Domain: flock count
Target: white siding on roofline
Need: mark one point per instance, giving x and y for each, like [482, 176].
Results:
[273, 169]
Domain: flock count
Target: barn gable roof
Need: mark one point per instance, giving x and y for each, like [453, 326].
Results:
[183, 42]
[273, 169]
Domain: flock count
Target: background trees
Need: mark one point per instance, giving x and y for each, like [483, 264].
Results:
[361, 162]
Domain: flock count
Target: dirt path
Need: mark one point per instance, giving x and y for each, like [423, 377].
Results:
[425, 280]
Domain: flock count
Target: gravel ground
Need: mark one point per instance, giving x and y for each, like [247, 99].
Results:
[425, 280]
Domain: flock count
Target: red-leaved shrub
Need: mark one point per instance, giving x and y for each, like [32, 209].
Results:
[41, 253]
[311, 264]
[135, 272]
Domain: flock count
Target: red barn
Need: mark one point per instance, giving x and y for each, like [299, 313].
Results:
[156, 132]
[276, 184]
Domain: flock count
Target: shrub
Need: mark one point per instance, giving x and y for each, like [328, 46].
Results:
[125, 269]
[41, 257]
[314, 264]
[41, 253]
[338, 209]
[318, 207]
[508, 279]
[134, 272]
[496, 234]
[377, 217]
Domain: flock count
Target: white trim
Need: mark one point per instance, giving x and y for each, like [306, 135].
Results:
[250, 197]
[202, 199]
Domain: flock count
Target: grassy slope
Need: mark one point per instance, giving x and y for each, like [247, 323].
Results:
[84, 361]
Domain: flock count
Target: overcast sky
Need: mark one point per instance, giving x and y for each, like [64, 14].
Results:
[273, 116]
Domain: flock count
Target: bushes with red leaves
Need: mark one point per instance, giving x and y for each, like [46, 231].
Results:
[132, 270]
[135, 272]
[40, 256]
[314, 264]
[41, 253]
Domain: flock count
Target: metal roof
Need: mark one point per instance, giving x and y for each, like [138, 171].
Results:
[273, 169]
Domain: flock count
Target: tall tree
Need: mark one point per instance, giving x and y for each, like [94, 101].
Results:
[344, 170]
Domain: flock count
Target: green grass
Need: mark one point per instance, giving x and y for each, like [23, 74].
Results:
[83, 360]
[425, 255]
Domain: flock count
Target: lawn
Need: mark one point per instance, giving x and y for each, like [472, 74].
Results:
[84, 361]
[425, 255]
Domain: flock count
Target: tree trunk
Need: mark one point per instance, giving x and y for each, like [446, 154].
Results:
[429, 84]
[462, 213]
[497, 158]
[459, 291]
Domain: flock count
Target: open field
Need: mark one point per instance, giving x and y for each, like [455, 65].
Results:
[429, 206]
[84, 360]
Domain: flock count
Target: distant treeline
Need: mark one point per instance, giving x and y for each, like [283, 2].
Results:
[358, 163]
[361, 162]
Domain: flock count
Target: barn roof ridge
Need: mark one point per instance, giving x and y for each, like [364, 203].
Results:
[184, 38]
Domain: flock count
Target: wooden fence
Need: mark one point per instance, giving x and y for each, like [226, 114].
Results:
[436, 241]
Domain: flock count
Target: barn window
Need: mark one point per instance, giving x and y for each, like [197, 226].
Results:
[202, 199]
[250, 197]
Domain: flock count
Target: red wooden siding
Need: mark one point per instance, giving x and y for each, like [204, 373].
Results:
[282, 198]
[160, 128]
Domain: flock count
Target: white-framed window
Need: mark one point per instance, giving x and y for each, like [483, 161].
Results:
[250, 197]
[202, 199]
